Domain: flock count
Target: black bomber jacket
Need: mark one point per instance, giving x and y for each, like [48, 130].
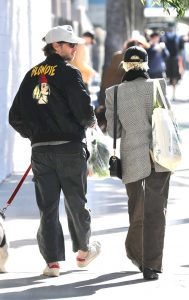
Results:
[52, 103]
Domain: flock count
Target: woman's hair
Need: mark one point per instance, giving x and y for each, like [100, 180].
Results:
[135, 66]
[135, 58]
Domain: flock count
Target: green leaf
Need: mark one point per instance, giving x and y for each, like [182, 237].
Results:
[179, 5]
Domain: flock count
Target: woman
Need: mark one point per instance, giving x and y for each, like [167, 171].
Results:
[113, 75]
[82, 59]
[147, 183]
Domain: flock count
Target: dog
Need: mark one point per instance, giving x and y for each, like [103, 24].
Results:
[3, 245]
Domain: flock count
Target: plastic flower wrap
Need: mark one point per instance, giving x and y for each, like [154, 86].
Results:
[97, 144]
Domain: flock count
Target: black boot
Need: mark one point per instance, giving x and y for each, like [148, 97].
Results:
[150, 274]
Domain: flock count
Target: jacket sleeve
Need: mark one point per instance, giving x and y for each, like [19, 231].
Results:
[16, 120]
[79, 100]
[165, 53]
[109, 114]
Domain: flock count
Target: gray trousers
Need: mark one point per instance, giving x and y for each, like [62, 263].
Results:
[147, 203]
[61, 168]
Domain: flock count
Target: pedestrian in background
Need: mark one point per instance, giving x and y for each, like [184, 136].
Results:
[52, 109]
[82, 60]
[174, 64]
[157, 56]
[147, 183]
[115, 72]
[185, 52]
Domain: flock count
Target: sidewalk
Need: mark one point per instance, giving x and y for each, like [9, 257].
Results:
[111, 275]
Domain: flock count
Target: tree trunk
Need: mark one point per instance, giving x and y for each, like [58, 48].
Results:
[115, 28]
[139, 16]
[122, 17]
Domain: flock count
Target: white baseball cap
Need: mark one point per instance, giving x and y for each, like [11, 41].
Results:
[62, 34]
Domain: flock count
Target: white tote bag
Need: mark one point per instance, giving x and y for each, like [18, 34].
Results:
[166, 143]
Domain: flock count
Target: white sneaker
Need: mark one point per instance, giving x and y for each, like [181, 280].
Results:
[93, 252]
[52, 271]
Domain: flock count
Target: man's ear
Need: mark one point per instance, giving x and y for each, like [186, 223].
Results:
[55, 46]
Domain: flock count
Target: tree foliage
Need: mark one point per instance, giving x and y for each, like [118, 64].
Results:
[179, 5]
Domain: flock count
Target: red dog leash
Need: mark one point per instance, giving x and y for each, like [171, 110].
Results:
[2, 212]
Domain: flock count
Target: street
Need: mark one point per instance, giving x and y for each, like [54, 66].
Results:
[111, 275]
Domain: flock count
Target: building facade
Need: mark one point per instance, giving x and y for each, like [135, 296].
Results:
[23, 23]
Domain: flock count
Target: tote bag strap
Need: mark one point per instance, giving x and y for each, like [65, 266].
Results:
[154, 93]
[115, 118]
[157, 87]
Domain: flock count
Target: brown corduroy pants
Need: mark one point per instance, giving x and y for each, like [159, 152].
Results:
[147, 203]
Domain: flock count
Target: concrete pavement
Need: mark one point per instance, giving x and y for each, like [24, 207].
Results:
[111, 275]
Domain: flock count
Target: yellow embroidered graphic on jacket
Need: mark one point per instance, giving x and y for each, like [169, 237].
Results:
[42, 90]
[43, 69]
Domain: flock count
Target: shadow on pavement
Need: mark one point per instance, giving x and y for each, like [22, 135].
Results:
[31, 242]
[75, 289]
[178, 222]
[26, 281]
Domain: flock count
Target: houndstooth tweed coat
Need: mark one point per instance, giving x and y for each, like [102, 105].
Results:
[134, 118]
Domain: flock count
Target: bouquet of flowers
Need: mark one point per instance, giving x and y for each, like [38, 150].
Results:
[99, 152]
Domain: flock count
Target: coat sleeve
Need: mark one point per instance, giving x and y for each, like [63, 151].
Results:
[16, 119]
[109, 114]
[79, 100]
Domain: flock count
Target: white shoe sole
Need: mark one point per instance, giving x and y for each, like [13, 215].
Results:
[51, 272]
[94, 251]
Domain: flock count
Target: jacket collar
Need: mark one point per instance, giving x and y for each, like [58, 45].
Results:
[55, 58]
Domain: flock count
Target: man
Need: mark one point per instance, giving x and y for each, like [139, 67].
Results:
[89, 37]
[55, 125]
[174, 64]
[157, 56]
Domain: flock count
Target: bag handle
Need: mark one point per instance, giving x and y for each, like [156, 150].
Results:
[157, 87]
[115, 118]
[154, 93]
